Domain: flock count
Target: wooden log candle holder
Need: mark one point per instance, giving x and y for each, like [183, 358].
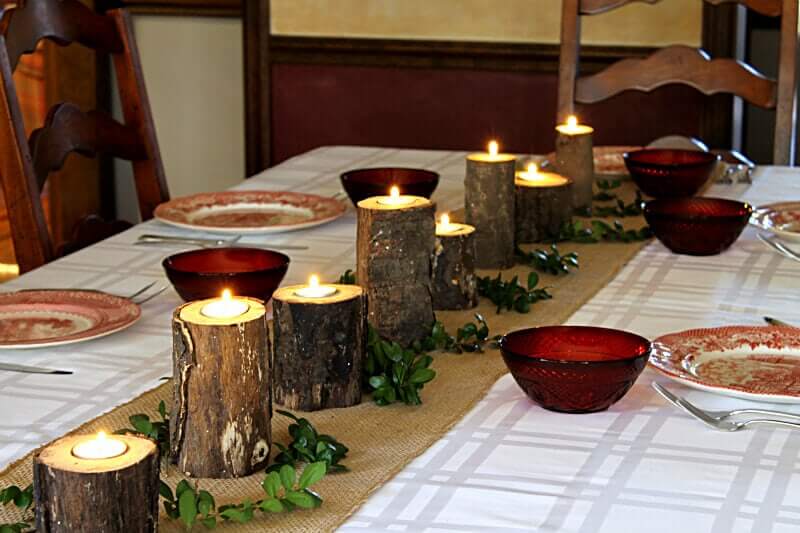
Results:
[222, 400]
[489, 206]
[395, 239]
[454, 281]
[575, 159]
[115, 491]
[320, 344]
[543, 205]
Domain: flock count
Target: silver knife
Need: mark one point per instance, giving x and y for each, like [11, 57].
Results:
[12, 367]
[775, 322]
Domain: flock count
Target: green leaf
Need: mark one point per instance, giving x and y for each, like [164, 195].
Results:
[271, 505]
[422, 375]
[272, 484]
[301, 499]
[209, 523]
[182, 486]
[187, 507]
[141, 423]
[287, 474]
[235, 514]
[205, 502]
[165, 491]
[311, 474]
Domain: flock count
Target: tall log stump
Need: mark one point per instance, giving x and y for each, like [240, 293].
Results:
[489, 207]
[454, 280]
[575, 159]
[543, 205]
[222, 400]
[319, 348]
[114, 495]
[394, 249]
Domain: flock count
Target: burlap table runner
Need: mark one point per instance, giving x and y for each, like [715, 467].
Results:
[383, 440]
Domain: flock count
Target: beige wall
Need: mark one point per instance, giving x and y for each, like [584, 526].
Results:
[669, 22]
[193, 72]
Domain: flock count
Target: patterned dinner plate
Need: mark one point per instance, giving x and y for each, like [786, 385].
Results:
[607, 159]
[750, 362]
[782, 219]
[38, 318]
[250, 211]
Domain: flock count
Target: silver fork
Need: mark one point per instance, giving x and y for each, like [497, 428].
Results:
[149, 297]
[719, 419]
[149, 238]
[779, 247]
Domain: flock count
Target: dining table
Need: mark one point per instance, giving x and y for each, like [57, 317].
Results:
[508, 465]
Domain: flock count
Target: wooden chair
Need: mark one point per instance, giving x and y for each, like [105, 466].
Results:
[688, 66]
[26, 163]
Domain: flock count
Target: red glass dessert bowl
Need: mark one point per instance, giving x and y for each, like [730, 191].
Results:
[668, 172]
[697, 226]
[574, 369]
[200, 274]
[367, 182]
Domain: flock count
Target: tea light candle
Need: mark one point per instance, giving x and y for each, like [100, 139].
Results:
[394, 245]
[489, 205]
[100, 447]
[314, 289]
[454, 281]
[575, 159]
[394, 198]
[543, 204]
[225, 307]
[224, 433]
[319, 347]
[78, 481]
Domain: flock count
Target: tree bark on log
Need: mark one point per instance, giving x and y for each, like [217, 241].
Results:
[115, 495]
[394, 249]
[489, 207]
[319, 348]
[575, 160]
[222, 398]
[454, 281]
[542, 211]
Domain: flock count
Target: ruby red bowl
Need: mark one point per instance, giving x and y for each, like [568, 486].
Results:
[574, 369]
[367, 182]
[670, 173]
[201, 274]
[697, 226]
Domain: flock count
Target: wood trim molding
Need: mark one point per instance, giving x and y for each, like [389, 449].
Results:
[403, 53]
[187, 8]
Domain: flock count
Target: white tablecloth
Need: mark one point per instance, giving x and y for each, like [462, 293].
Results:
[509, 465]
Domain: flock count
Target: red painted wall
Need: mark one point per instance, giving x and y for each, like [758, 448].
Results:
[316, 105]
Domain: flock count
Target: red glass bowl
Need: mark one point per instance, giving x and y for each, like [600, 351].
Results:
[697, 226]
[670, 173]
[200, 274]
[367, 182]
[574, 369]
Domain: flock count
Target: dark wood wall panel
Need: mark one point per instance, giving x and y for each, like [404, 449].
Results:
[456, 109]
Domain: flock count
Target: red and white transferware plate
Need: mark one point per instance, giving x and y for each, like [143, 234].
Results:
[782, 219]
[37, 318]
[749, 362]
[250, 211]
[607, 159]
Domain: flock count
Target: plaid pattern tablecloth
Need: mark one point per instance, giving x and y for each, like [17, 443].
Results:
[509, 465]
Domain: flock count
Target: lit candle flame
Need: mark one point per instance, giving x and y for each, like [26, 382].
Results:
[532, 168]
[394, 192]
[494, 148]
[572, 121]
[225, 306]
[100, 447]
[445, 220]
[313, 281]
[314, 289]
[226, 295]
[101, 436]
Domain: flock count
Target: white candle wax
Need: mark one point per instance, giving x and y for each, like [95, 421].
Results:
[573, 128]
[445, 227]
[395, 199]
[492, 155]
[225, 307]
[532, 177]
[99, 447]
[315, 290]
